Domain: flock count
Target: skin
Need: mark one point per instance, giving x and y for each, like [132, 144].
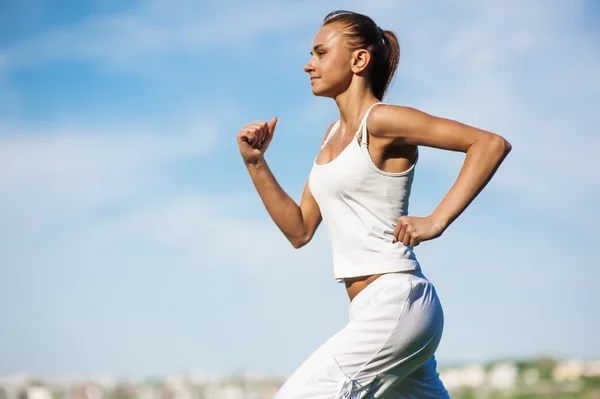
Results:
[394, 134]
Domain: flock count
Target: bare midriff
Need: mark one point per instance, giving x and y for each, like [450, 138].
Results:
[354, 285]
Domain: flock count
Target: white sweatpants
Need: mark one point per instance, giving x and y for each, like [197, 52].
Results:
[385, 351]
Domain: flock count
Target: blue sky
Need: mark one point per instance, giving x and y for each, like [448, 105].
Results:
[132, 241]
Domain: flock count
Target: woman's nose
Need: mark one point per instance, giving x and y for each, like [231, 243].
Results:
[309, 67]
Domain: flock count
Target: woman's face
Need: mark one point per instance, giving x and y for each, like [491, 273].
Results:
[330, 62]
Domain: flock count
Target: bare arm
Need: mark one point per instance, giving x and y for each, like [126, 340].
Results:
[297, 222]
[484, 150]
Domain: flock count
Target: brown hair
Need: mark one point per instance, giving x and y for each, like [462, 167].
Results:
[361, 32]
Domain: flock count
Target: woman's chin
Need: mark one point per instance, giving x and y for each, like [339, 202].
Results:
[320, 93]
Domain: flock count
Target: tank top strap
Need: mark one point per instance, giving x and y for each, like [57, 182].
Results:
[334, 128]
[363, 125]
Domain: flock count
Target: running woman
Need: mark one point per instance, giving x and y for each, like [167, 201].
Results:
[359, 186]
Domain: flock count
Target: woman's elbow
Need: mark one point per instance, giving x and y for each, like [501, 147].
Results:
[300, 241]
[500, 145]
[507, 146]
[298, 244]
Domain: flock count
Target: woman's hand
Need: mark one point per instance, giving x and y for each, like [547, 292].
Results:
[412, 230]
[253, 140]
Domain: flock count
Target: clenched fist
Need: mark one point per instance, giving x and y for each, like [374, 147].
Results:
[254, 140]
[412, 230]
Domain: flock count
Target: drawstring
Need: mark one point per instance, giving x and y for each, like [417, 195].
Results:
[349, 388]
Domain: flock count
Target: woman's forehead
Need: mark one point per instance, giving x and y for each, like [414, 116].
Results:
[327, 35]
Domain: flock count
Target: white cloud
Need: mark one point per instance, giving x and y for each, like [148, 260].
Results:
[154, 28]
[518, 287]
[58, 185]
[92, 214]
[183, 231]
[62, 174]
[527, 72]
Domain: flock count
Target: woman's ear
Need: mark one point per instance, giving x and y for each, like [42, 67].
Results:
[360, 61]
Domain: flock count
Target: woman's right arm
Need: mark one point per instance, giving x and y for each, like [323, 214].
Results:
[297, 223]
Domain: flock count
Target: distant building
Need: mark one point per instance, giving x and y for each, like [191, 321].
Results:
[224, 392]
[36, 392]
[178, 387]
[503, 377]
[592, 369]
[464, 377]
[147, 391]
[529, 377]
[568, 371]
[93, 391]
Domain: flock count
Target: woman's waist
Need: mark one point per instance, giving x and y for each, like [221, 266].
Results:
[355, 270]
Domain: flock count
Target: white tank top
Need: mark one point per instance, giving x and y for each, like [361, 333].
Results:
[360, 205]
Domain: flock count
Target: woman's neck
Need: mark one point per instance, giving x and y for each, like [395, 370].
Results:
[353, 103]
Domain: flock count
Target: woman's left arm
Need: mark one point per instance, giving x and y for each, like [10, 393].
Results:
[484, 150]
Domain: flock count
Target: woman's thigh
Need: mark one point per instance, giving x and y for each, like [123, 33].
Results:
[423, 383]
[395, 326]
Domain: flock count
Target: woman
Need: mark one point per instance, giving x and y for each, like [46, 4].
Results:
[360, 185]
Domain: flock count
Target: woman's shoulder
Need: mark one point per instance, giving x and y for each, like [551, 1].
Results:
[331, 126]
[388, 116]
[329, 131]
[385, 110]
